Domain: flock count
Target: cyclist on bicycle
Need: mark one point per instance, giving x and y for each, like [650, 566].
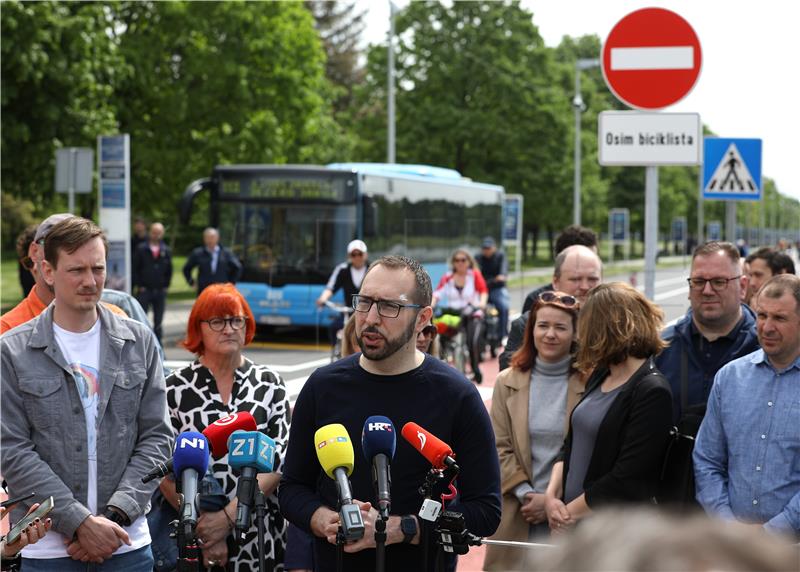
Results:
[347, 276]
[463, 290]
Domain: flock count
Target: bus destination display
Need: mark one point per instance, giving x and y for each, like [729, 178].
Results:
[269, 188]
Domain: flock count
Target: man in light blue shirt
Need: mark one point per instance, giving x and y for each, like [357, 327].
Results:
[747, 456]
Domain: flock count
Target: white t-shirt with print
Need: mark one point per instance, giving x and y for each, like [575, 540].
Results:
[82, 352]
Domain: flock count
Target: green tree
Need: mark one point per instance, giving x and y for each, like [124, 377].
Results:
[340, 27]
[59, 69]
[220, 82]
[475, 92]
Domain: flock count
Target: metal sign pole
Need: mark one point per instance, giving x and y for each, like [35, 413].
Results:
[650, 230]
[730, 221]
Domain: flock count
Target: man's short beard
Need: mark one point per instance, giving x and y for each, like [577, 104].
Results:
[391, 347]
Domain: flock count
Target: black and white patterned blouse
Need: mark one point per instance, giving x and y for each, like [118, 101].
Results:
[194, 403]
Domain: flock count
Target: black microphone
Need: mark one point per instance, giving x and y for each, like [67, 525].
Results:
[378, 440]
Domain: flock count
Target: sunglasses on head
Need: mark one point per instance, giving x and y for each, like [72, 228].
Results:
[563, 299]
[429, 331]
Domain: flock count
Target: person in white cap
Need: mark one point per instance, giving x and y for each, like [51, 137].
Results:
[347, 277]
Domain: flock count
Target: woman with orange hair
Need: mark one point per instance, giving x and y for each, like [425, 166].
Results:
[221, 381]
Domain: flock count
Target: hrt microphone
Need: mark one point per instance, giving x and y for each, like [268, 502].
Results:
[378, 440]
[217, 434]
[190, 462]
[432, 448]
[335, 454]
[251, 452]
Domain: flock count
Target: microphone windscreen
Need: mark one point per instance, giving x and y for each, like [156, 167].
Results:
[431, 447]
[334, 448]
[191, 452]
[251, 449]
[378, 437]
[218, 432]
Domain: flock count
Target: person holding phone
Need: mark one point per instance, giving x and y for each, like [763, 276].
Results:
[10, 553]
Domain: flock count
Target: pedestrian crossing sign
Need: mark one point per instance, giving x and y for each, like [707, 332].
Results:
[732, 169]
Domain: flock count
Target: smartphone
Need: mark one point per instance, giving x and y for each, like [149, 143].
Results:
[43, 510]
[12, 502]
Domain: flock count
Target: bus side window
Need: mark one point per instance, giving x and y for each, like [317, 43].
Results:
[370, 219]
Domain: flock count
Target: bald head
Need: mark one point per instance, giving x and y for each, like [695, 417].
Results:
[578, 269]
[156, 232]
[211, 238]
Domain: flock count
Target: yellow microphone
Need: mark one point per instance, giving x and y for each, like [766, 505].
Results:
[334, 449]
[335, 453]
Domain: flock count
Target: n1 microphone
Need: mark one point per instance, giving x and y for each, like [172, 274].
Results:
[190, 462]
[335, 454]
[251, 452]
[432, 448]
[378, 440]
[217, 434]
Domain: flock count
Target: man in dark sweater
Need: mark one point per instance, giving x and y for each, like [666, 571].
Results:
[152, 274]
[392, 378]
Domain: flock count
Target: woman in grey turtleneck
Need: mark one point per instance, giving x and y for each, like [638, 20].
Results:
[530, 411]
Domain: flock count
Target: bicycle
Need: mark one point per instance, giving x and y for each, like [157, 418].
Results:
[453, 348]
[344, 312]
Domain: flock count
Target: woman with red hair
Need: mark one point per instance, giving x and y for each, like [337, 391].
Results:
[222, 381]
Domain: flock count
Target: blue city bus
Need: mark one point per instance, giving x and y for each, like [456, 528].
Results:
[290, 224]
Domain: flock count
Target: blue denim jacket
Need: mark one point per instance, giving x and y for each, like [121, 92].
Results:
[43, 425]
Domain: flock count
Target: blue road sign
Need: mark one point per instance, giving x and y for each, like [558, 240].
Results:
[732, 169]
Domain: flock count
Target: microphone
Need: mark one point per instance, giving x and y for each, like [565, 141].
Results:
[251, 452]
[335, 454]
[378, 440]
[430, 446]
[190, 462]
[217, 435]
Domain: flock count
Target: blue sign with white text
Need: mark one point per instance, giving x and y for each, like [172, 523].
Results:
[732, 168]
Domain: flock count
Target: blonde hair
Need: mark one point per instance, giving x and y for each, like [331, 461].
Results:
[470, 259]
[617, 322]
[349, 342]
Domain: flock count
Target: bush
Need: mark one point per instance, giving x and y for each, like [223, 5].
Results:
[17, 214]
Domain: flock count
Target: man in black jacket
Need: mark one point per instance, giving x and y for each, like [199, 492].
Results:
[152, 274]
[215, 262]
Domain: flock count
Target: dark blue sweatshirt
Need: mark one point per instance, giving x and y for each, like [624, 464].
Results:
[433, 395]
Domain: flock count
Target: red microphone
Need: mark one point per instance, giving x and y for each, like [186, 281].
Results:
[217, 435]
[432, 448]
[218, 432]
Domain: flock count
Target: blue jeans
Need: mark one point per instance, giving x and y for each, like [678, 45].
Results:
[500, 299]
[140, 560]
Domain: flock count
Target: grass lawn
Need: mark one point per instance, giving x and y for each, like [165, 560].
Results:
[11, 292]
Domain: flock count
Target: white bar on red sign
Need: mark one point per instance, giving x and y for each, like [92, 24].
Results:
[653, 58]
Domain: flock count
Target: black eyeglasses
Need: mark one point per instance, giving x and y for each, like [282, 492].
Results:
[385, 308]
[26, 262]
[717, 284]
[563, 299]
[218, 324]
[460, 260]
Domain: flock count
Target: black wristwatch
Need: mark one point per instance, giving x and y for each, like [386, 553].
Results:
[116, 516]
[408, 526]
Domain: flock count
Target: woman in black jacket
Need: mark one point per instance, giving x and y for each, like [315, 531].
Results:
[619, 430]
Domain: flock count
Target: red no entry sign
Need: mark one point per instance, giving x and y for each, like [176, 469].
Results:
[651, 58]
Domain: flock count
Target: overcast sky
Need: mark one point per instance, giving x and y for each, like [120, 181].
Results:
[749, 85]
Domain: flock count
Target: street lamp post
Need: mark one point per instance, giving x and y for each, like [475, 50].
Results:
[579, 107]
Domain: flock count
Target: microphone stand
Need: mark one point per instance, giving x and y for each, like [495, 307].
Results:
[188, 551]
[380, 543]
[261, 512]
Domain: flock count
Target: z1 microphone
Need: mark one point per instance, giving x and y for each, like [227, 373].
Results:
[217, 435]
[251, 452]
[190, 462]
[430, 446]
[335, 454]
[378, 440]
